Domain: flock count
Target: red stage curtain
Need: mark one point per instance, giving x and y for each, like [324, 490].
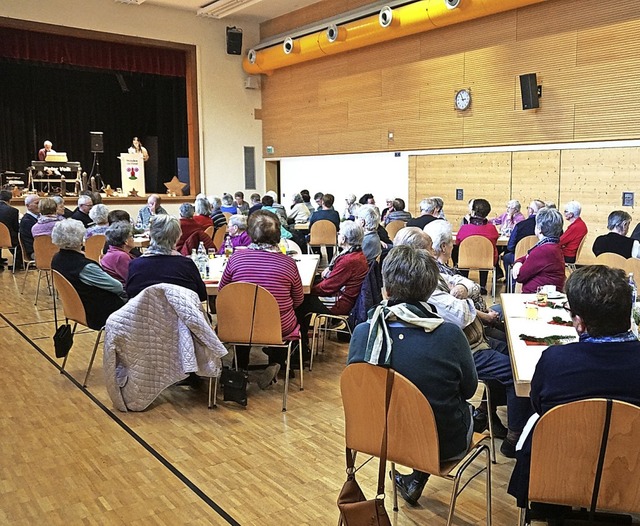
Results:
[60, 49]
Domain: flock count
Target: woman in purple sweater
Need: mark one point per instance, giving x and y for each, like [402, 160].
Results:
[544, 263]
[120, 240]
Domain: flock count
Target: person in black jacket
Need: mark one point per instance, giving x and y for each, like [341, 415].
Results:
[9, 217]
[32, 202]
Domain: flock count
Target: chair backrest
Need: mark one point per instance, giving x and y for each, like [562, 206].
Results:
[632, 265]
[611, 259]
[71, 302]
[476, 252]
[209, 231]
[218, 236]
[393, 226]
[44, 250]
[5, 237]
[292, 246]
[25, 256]
[248, 314]
[93, 246]
[412, 438]
[227, 215]
[579, 251]
[524, 245]
[565, 451]
[323, 232]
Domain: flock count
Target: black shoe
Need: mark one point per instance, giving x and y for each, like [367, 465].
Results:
[508, 448]
[410, 486]
[499, 431]
[480, 421]
[483, 291]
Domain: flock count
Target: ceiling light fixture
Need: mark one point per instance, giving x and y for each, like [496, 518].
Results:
[222, 8]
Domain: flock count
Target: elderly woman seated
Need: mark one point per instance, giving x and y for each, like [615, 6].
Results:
[237, 233]
[100, 216]
[217, 216]
[228, 204]
[544, 263]
[342, 279]
[100, 293]
[192, 232]
[264, 264]
[369, 219]
[47, 219]
[510, 218]
[161, 263]
[616, 240]
[120, 241]
[299, 211]
[433, 354]
[202, 214]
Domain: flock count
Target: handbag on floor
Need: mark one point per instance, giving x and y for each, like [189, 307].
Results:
[234, 386]
[63, 340]
[355, 510]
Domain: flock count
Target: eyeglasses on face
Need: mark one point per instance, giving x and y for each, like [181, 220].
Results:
[566, 306]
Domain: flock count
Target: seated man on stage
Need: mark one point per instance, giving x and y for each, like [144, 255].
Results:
[604, 363]
[43, 152]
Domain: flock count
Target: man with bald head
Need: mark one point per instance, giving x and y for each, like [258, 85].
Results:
[146, 213]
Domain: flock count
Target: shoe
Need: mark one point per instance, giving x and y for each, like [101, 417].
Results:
[480, 421]
[268, 376]
[483, 291]
[508, 448]
[499, 431]
[410, 486]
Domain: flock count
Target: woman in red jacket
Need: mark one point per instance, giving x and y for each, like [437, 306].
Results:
[342, 279]
[544, 264]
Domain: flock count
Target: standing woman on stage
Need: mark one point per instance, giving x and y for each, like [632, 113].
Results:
[136, 147]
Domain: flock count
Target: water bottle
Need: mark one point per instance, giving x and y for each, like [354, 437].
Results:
[634, 290]
[228, 246]
[202, 260]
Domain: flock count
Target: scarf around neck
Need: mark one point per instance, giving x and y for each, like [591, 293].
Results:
[416, 314]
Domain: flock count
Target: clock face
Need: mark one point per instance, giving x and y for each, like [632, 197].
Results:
[463, 99]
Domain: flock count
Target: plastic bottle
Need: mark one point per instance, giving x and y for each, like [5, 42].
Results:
[202, 260]
[228, 246]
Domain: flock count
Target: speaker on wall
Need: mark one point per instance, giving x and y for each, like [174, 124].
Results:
[529, 90]
[96, 142]
[234, 41]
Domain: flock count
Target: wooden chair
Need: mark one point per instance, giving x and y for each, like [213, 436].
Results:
[412, 432]
[578, 460]
[94, 246]
[44, 250]
[209, 231]
[218, 236]
[393, 227]
[227, 215]
[476, 253]
[320, 329]
[5, 242]
[522, 247]
[610, 259]
[572, 266]
[249, 315]
[323, 233]
[73, 311]
[26, 262]
[633, 265]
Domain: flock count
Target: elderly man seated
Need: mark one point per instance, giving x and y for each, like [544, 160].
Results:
[429, 351]
[369, 218]
[81, 213]
[146, 213]
[604, 363]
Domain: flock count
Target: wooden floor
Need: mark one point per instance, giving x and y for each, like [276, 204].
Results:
[68, 457]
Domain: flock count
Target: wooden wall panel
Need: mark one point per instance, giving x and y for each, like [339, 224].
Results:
[586, 54]
[543, 167]
[596, 178]
[480, 175]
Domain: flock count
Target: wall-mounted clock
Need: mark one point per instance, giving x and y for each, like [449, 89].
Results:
[462, 99]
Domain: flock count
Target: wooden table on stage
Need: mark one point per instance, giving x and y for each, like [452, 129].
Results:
[525, 357]
[307, 266]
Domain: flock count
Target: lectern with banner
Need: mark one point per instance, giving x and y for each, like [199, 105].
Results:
[132, 169]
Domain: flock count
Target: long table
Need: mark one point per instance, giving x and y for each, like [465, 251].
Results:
[525, 357]
[307, 266]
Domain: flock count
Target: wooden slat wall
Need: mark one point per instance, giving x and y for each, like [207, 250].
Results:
[594, 177]
[586, 54]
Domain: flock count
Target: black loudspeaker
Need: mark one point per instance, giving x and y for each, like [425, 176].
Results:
[96, 142]
[529, 89]
[234, 41]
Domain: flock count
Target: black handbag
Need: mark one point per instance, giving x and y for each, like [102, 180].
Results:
[63, 340]
[234, 386]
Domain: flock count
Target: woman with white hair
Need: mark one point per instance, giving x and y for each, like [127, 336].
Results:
[100, 216]
[299, 211]
[228, 204]
[47, 219]
[351, 209]
[237, 233]
[342, 279]
[202, 214]
[544, 263]
[576, 230]
[120, 240]
[192, 233]
[369, 218]
[509, 218]
[100, 294]
[218, 218]
[161, 263]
